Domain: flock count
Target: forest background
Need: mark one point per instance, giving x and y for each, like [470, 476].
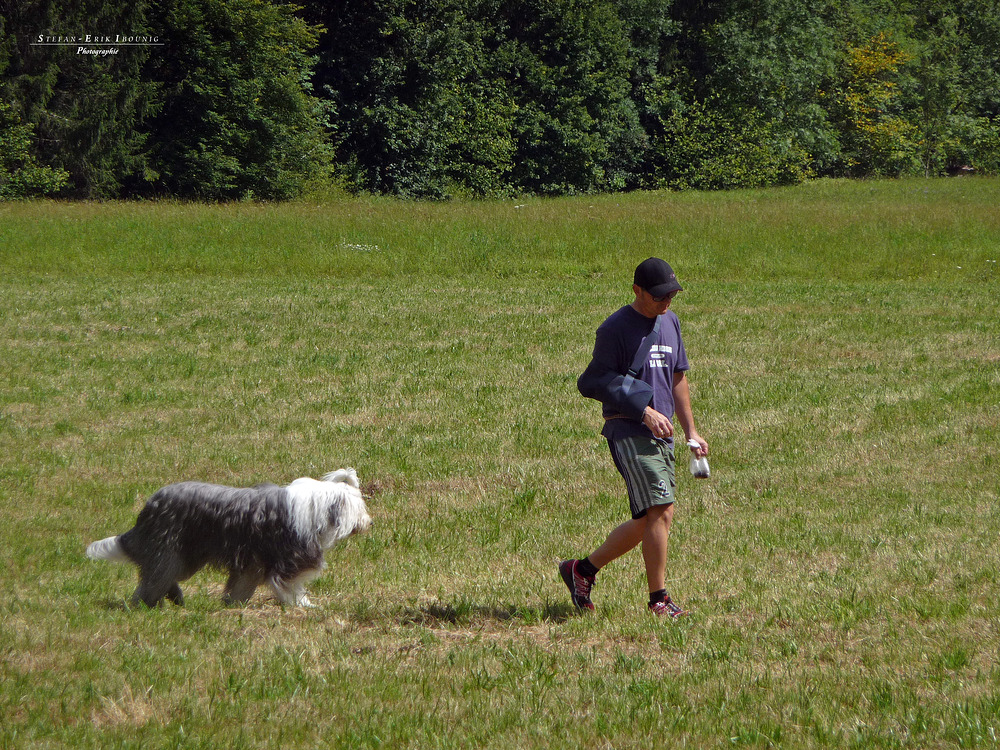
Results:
[242, 99]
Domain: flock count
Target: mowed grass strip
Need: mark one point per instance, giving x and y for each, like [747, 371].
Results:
[841, 562]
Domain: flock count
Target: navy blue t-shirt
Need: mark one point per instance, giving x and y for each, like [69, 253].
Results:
[618, 340]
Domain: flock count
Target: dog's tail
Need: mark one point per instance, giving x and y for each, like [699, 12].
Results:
[108, 549]
[348, 476]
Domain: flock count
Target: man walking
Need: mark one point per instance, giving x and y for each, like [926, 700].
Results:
[638, 373]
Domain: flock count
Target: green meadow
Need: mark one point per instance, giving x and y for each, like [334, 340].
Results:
[841, 563]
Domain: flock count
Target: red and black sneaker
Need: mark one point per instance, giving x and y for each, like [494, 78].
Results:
[579, 586]
[668, 608]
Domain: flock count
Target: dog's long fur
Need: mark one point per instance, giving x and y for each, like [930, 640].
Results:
[263, 534]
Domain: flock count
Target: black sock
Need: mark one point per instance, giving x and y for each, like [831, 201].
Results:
[586, 568]
[655, 597]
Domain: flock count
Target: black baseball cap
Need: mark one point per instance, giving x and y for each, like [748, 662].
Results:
[656, 277]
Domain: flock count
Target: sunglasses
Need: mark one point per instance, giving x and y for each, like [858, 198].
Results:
[664, 298]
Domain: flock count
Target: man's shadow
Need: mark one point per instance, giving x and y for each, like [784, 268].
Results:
[467, 613]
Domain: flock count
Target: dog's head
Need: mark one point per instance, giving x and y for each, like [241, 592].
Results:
[331, 509]
[347, 514]
[364, 523]
[351, 513]
[356, 516]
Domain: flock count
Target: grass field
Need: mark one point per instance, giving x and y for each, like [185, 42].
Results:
[841, 564]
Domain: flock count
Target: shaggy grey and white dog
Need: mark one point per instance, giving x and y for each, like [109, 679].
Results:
[263, 534]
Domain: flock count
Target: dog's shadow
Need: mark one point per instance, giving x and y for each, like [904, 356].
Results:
[435, 614]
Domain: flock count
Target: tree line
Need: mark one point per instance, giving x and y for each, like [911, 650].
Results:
[236, 99]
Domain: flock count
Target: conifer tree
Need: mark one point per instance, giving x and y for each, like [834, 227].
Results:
[87, 111]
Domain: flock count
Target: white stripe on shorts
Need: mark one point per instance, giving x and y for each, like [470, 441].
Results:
[643, 494]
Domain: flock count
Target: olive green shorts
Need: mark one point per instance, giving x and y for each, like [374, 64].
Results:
[647, 465]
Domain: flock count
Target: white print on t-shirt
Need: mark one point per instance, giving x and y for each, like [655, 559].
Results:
[658, 355]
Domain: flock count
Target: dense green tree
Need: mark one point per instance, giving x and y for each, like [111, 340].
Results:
[433, 98]
[773, 57]
[917, 86]
[221, 110]
[20, 175]
[485, 96]
[876, 136]
[235, 116]
[745, 91]
[86, 112]
[419, 109]
[569, 66]
[954, 89]
[654, 41]
[937, 93]
[979, 55]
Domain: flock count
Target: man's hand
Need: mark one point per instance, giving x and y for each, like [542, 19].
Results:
[702, 450]
[658, 424]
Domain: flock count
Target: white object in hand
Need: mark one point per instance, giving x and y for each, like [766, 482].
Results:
[699, 466]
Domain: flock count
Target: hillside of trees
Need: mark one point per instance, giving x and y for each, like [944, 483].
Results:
[238, 99]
